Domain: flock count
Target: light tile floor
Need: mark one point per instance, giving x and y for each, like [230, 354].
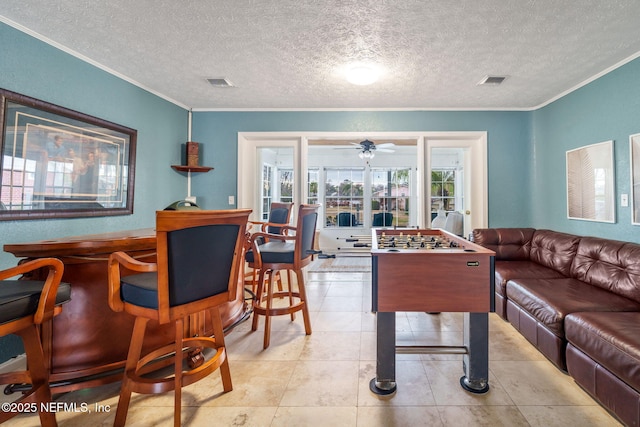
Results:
[323, 379]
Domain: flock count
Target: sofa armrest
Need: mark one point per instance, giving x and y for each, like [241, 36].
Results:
[509, 244]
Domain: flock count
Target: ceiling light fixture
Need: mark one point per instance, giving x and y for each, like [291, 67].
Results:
[362, 75]
[366, 155]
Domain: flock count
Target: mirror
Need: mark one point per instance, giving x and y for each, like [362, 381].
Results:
[590, 183]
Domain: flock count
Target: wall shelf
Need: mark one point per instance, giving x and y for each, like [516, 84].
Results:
[188, 170]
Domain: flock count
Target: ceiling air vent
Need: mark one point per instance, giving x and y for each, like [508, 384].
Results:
[220, 82]
[492, 80]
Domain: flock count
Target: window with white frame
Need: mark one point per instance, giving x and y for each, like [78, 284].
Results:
[313, 181]
[390, 196]
[443, 190]
[267, 191]
[344, 197]
[285, 181]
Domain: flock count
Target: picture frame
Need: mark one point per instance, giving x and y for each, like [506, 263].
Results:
[591, 183]
[60, 163]
[634, 156]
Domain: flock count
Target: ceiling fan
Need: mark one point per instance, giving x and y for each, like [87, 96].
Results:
[368, 148]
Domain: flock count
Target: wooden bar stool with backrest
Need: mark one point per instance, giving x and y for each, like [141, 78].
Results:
[199, 256]
[26, 306]
[283, 252]
[279, 215]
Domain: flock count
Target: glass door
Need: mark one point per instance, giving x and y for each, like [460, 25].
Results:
[277, 177]
[456, 180]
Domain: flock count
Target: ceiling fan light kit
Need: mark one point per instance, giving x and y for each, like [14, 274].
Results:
[366, 149]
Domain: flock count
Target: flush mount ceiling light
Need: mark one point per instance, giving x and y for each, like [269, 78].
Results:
[220, 82]
[362, 75]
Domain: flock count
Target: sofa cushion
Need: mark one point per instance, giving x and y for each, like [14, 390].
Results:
[513, 244]
[610, 265]
[554, 250]
[550, 300]
[610, 339]
[507, 270]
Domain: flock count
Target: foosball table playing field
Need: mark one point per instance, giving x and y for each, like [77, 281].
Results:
[433, 271]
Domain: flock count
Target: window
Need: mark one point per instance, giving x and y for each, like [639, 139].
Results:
[390, 195]
[443, 189]
[267, 194]
[20, 180]
[60, 176]
[344, 197]
[313, 179]
[284, 187]
[285, 179]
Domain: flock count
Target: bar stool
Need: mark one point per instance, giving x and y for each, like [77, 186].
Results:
[199, 256]
[283, 252]
[26, 306]
[279, 215]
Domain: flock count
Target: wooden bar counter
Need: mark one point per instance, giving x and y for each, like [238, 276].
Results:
[88, 342]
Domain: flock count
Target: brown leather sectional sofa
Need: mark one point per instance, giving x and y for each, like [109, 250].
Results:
[577, 299]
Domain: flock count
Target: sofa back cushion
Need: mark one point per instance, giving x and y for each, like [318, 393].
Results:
[509, 244]
[554, 250]
[609, 264]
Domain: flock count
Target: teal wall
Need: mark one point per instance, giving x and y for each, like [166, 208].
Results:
[508, 148]
[36, 69]
[606, 109]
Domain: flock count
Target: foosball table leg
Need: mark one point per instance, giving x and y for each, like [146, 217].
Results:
[476, 362]
[384, 382]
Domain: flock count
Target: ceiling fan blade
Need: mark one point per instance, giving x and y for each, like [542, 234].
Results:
[385, 150]
[385, 145]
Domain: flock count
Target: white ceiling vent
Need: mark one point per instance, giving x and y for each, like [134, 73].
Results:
[220, 82]
[491, 80]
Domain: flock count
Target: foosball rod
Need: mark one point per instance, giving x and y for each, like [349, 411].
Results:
[355, 238]
[356, 249]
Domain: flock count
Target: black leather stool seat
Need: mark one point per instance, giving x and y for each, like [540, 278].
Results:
[274, 252]
[19, 298]
[140, 289]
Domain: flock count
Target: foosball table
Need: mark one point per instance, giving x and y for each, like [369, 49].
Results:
[432, 271]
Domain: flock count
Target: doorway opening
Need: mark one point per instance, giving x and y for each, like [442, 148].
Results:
[402, 184]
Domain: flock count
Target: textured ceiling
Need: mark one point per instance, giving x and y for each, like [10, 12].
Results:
[291, 54]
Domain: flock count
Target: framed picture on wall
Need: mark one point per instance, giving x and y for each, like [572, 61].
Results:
[634, 144]
[591, 183]
[58, 162]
